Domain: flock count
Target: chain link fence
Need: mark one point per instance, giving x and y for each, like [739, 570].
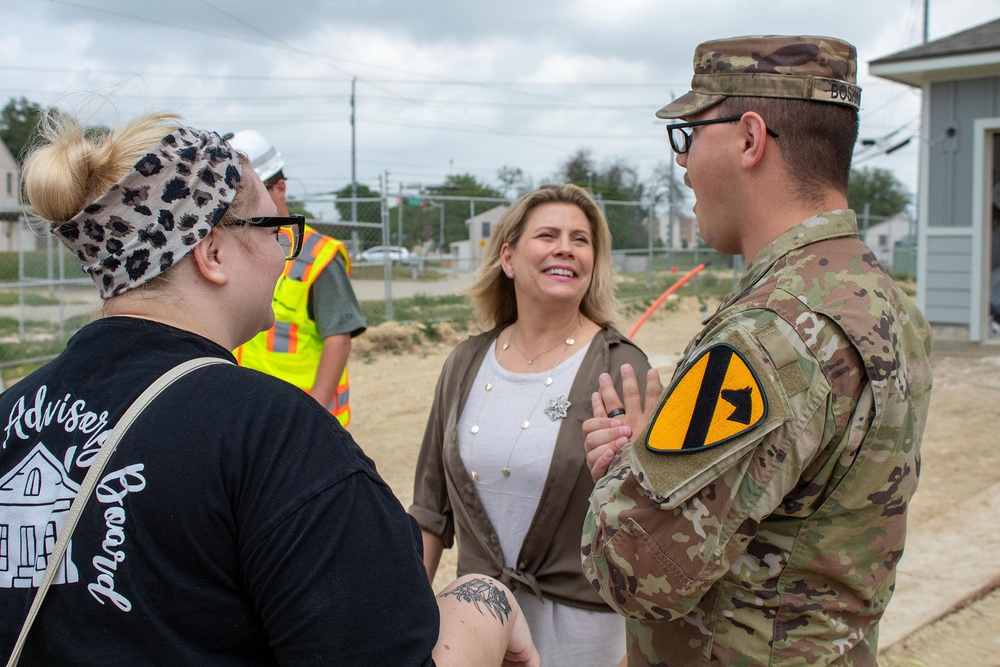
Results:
[400, 247]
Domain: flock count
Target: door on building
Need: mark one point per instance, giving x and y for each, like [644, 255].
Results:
[994, 258]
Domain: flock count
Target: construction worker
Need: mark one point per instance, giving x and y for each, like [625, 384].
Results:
[316, 311]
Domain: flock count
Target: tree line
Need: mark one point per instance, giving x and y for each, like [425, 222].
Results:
[610, 181]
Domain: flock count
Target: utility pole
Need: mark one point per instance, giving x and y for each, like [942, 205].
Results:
[400, 216]
[440, 205]
[651, 217]
[671, 209]
[383, 182]
[442, 227]
[927, 6]
[354, 179]
[671, 219]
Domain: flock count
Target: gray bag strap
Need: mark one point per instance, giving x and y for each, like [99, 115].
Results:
[90, 481]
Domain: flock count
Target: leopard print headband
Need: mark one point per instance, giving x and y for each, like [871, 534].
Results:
[161, 209]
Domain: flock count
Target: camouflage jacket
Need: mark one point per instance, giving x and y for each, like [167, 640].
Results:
[769, 531]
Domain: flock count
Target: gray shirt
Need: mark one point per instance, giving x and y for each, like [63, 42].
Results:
[332, 304]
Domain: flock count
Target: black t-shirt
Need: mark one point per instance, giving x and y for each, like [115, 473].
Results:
[236, 524]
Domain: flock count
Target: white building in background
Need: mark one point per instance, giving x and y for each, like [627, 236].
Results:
[681, 232]
[480, 227]
[8, 177]
[883, 235]
[959, 78]
[13, 232]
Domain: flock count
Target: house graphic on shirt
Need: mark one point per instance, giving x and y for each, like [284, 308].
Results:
[34, 499]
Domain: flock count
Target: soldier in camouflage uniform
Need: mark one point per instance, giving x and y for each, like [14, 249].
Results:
[755, 512]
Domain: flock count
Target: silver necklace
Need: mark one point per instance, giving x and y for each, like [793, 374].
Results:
[531, 360]
[557, 408]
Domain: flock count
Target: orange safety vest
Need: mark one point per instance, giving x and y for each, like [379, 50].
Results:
[291, 348]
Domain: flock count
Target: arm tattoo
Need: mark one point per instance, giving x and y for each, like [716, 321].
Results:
[485, 593]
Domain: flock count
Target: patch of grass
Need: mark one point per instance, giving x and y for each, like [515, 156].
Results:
[432, 332]
[43, 340]
[30, 299]
[9, 264]
[908, 284]
[705, 285]
[37, 347]
[8, 325]
[423, 308]
[32, 353]
[632, 291]
[398, 273]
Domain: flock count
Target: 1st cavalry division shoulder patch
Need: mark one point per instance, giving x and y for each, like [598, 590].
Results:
[717, 398]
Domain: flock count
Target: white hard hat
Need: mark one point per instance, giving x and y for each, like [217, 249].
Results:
[264, 157]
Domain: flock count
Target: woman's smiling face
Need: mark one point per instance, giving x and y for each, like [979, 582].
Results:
[553, 259]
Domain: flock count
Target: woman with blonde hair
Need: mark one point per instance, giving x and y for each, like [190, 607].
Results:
[502, 466]
[236, 522]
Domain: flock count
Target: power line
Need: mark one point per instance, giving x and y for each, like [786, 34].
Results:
[478, 129]
[327, 60]
[172, 75]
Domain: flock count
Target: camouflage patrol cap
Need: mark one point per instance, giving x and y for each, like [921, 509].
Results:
[798, 67]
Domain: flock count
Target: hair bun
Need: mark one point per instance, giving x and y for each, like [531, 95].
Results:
[57, 173]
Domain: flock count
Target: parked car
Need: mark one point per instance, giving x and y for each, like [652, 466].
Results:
[380, 253]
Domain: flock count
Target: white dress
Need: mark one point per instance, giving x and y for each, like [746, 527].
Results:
[564, 635]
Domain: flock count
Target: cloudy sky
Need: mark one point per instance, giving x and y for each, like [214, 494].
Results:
[442, 86]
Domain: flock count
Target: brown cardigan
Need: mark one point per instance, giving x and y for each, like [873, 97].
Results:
[445, 501]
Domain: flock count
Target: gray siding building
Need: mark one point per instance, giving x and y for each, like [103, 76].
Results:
[8, 177]
[959, 215]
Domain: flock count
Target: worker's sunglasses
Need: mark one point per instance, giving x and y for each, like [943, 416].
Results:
[291, 230]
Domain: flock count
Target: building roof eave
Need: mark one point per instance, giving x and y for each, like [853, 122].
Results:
[920, 71]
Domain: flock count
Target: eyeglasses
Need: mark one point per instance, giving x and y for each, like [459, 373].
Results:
[291, 229]
[680, 140]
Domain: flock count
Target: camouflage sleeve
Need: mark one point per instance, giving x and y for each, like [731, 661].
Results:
[665, 527]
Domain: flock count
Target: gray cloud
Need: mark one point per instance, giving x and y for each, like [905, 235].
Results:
[442, 86]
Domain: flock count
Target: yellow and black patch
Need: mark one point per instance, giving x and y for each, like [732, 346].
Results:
[715, 399]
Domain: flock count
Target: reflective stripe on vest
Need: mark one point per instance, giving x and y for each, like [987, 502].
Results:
[341, 398]
[291, 349]
[283, 337]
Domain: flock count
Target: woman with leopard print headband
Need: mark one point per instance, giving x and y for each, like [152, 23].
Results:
[236, 522]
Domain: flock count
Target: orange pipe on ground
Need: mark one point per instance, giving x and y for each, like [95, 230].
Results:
[663, 297]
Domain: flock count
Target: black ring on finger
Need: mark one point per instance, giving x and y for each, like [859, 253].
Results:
[614, 413]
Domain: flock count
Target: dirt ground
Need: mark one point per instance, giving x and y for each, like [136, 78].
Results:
[391, 395]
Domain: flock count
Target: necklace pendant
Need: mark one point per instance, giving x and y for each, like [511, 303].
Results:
[525, 424]
[505, 346]
[505, 472]
[475, 476]
[571, 341]
[531, 361]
